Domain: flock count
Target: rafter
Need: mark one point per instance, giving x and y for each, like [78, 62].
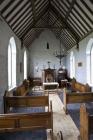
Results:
[91, 1]
[47, 27]
[84, 13]
[73, 33]
[18, 17]
[31, 26]
[1, 1]
[7, 6]
[70, 9]
[33, 9]
[91, 11]
[9, 13]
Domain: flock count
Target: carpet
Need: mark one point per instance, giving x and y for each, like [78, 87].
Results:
[74, 111]
[24, 135]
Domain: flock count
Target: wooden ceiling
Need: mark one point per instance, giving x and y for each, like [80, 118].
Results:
[70, 20]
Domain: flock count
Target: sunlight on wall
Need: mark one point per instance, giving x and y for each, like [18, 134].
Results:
[11, 63]
[89, 60]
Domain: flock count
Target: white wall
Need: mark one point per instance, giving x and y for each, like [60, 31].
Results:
[80, 56]
[5, 34]
[40, 55]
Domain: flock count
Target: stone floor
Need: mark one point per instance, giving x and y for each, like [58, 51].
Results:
[61, 121]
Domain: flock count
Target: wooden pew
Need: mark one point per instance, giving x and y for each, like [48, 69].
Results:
[74, 97]
[39, 120]
[77, 86]
[28, 121]
[21, 90]
[86, 123]
[25, 101]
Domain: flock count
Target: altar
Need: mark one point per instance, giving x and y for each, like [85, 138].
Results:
[50, 86]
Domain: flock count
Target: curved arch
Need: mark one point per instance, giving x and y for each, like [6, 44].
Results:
[11, 63]
[88, 48]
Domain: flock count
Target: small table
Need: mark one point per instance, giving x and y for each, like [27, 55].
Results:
[50, 86]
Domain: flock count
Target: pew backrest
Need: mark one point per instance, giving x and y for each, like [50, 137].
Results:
[77, 86]
[21, 121]
[25, 101]
[86, 123]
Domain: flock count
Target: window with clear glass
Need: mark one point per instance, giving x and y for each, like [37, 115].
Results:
[72, 65]
[89, 59]
[25, 65]
[11, 63]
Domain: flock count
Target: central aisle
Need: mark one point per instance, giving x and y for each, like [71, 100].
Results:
[61, 121]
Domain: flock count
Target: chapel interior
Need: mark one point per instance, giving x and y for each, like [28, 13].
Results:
[46, 52]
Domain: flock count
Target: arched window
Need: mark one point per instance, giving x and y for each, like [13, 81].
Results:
[72, 65]
[89, 56]
[25, 65]
[11, 63]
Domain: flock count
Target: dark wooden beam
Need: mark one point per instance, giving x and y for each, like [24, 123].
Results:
[7, 6]
[70, 9]
[55, 21]
[33, 9]
[91, 31]
[9, 13]
[82, 18]
[42, 6]
[91, 1]
[23, 29]
[61, 8]
[91, 11]
[71, 30]
[75, 28]
[47, 27]
[28, 14]
[81, 24]
[38, 18]
[1, 1]
[84, 13]
[68, 37]
[12, 19]
[24, 22]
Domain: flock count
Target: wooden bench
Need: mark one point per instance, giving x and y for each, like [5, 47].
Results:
[38, 120]
[28, 121]
[77, 86]
[86, 123]
[76, 97]
[24, 101]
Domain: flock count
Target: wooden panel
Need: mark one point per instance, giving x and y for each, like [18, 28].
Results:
[21, 121]
[86, 123]
[79, 97]
[25, 101]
